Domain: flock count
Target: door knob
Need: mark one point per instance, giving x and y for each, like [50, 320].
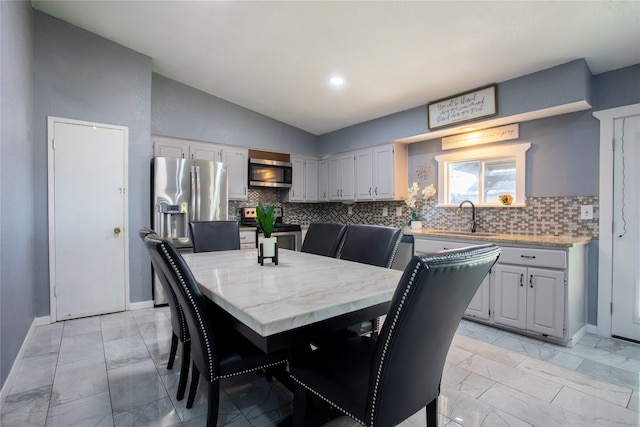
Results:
[117, 230]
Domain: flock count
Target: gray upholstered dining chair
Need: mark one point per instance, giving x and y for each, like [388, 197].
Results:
[217, 351]
[381, 381]
[373, 245]
[370, 244]
[179, 332]
[209, 236]
[323, 238]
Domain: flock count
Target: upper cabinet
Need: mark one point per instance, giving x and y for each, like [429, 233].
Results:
[304, 180]
[381, 172]
[342, 176]
[323, 180]
[235, 158]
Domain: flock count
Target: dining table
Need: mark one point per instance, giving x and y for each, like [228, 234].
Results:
[304, 295]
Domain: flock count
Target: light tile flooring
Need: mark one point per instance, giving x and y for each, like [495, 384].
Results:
[111, 370]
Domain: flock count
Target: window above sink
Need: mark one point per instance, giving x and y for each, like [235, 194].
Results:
[483, 174]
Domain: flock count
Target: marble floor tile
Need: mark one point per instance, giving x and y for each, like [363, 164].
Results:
[530, 410]
[595, 410]
[538, 387]
[610, 374]
[159, 413]
[35, 372]
[135, 385]
[79, 379]
[602, 390]
[27, 408]
[111, 370]
[78, 347]
[94, 410]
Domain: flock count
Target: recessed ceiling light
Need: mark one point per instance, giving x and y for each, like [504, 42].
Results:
[336, 81]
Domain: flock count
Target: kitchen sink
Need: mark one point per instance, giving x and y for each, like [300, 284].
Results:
[461, 233]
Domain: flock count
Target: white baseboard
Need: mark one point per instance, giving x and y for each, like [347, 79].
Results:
[141, 304]
[592, 329]
[6, 387]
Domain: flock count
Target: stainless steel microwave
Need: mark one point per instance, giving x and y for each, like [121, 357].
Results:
[269, 173]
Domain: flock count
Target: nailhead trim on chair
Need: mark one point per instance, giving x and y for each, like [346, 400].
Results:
[209, 350]
[347, 413]
[389, 336]
[395, 250]
[192, 302]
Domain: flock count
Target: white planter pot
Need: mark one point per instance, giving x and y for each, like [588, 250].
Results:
[416, 225]
[268, 246]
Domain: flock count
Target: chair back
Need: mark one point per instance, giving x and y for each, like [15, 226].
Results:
[323, 238]
[203, 341]
[210, 236]
[178, 322]
[423, 316]
[370, 244]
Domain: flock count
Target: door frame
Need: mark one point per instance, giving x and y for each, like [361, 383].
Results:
[51, 121]
[605, 244]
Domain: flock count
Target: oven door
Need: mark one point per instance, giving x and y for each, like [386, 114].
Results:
[291, 240]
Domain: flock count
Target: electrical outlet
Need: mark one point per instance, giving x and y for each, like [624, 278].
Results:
[350, 210]
[398, 210]
[586, 212]
[385, 211]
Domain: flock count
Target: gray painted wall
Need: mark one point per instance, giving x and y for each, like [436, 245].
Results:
[182, 111]
[81, 76]
[17, 278]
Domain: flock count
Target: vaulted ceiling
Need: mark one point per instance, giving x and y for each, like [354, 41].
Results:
[276, 57]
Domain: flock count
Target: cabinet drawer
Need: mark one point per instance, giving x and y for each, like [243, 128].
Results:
[429, 246]
[533, 257]
[248, 238]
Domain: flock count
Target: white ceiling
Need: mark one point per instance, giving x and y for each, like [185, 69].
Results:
[275, 57]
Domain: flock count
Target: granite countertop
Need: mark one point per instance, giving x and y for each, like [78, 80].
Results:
[525, 239]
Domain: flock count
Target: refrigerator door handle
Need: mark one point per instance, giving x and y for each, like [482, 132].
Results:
[198, 195]
[192, 214]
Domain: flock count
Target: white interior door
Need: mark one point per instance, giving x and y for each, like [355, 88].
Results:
[625, 315]
[87, 218]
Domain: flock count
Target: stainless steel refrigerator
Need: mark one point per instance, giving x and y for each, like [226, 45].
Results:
[185, 190]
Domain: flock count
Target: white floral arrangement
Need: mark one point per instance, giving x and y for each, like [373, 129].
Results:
[416, 198]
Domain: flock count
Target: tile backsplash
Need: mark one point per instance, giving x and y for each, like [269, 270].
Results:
[554, 216]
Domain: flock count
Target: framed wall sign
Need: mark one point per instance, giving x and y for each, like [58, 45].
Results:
[463, 107]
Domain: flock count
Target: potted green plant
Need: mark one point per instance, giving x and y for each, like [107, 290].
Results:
[266, 218]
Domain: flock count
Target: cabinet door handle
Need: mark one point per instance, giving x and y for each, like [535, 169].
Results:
[376, 191]
[528, 256]
[531, 281]
[369, 190]
[521, 280]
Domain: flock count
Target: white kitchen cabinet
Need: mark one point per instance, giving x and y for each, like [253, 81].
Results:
[364, 175]
[323, 180]
[238, 170]
[479, 307]
[235, 158]
[248, 239]
[205, 151]
[342, 176]
[304, 180]
[534, 290]
[532, 299]
[170, 147]
[381, 172]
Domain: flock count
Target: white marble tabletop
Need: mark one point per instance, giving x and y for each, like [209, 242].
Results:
[302, 289]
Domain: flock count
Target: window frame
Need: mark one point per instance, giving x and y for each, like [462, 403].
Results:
[497, 152]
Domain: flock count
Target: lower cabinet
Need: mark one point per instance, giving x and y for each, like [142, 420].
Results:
[531, 299]
[537, 291]
[248, 239]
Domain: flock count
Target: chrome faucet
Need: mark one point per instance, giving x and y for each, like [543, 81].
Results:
[473, 213]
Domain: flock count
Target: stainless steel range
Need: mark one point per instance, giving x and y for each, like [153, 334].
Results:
[289, 235]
